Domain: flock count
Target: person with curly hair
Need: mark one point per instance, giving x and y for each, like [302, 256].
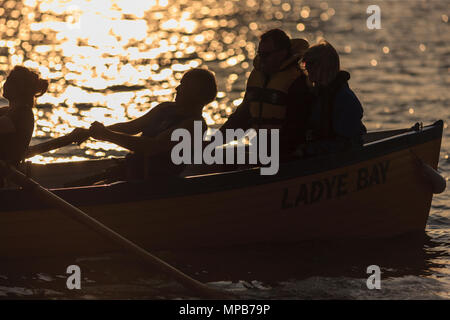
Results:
[334, 121]
[21, 88]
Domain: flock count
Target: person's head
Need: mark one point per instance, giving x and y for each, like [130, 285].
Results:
[274, 48]
[197, 88]
[23, 84]
[321, 63]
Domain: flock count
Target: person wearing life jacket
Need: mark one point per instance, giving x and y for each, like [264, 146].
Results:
[276, 92]
[334, 117]
[21, 88]
[150, 155]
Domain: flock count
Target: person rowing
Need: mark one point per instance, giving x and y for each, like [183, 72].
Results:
[21, 88]
[150, 155]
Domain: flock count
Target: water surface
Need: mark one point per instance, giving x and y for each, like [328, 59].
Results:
[112, 61]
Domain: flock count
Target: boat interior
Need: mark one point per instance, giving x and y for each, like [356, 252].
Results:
[84, 173]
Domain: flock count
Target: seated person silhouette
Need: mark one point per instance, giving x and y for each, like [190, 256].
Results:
[276, 92]
[150, 156]
[334, 116]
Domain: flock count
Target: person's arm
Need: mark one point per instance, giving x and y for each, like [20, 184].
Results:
[141, 144]
[137, 125]
[132, 127]
[347, 125]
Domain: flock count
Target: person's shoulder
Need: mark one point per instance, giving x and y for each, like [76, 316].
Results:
[345, 91]
[345, 97]
[194, 119]
[161, 111]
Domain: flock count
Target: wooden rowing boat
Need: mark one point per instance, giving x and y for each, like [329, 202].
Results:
[374, 192]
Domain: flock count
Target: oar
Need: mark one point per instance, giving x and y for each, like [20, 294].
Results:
[49, 145]
[52, 199]
[68, 139]
[378, 135]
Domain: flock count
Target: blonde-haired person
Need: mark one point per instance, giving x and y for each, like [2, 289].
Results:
[334, 122]
[21, 88]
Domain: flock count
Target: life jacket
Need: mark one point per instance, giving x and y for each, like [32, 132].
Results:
[267, 95]
[322, 127]
[13, 146]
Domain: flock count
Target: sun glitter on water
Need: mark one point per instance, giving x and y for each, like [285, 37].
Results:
[113, 60]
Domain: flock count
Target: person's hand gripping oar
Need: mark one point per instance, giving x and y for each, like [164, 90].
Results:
[78, 135]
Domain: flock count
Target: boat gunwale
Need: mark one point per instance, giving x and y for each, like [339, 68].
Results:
[132, 191]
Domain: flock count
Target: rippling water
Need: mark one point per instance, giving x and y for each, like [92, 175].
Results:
[113, 60]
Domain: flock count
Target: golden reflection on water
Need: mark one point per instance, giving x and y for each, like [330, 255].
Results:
[113, 60]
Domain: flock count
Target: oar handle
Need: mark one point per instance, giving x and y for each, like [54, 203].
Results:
[53, 200]
[49, 145]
